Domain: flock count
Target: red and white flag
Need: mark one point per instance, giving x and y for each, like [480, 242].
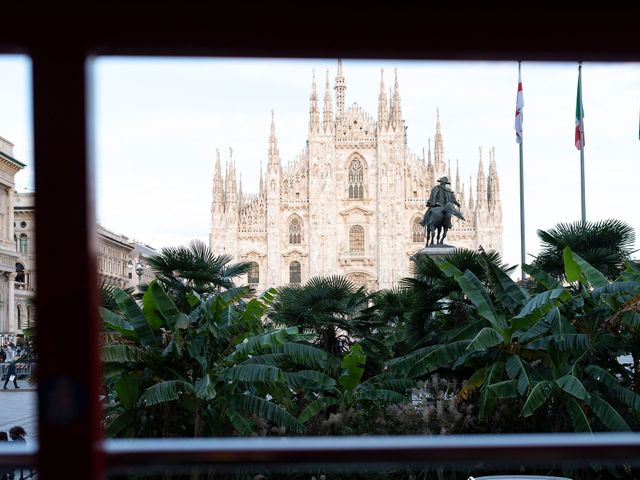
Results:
[579, 114]
[519, 107]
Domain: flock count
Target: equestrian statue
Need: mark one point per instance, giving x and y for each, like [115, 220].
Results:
[442, 205]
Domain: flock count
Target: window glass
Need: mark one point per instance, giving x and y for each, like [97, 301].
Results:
[295, 232]
[253, 276]
[294, 272]
[356, 240]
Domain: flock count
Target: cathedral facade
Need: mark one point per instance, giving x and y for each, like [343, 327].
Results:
[350, 203]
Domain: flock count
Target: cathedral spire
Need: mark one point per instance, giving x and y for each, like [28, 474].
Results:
[314, 114]
[471, 204]
[327, 114]
[396, 110]
[429, 153]
[340, 88]
[463, 201]
[218, 189]
[383, 113]
[439, 147]
[493, 182]
[458, 191]
[481, 188]
[274, 156]
[240, 196]
[231, 179]
[261, 185]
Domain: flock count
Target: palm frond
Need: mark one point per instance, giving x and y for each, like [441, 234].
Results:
[315, 407]
[310, 380]
[486, 338]
[253, 373]
[472, 384]
[624, 395]
[608, 415]
[163, 392]
[537, 397]
[578, 417]
[381, 395]
[260, 407]
[605, 244]
[573, 387]
[119, 353]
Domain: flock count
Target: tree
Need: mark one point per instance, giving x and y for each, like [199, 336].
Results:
[605, 245]
[556, 349]
[182, 269]
[437, 304]
[172, 373]
[328, 308]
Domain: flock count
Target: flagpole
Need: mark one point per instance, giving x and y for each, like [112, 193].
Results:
[522, 244]
[581, 126]
[584, 207]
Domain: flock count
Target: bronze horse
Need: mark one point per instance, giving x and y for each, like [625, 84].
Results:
[439, 222]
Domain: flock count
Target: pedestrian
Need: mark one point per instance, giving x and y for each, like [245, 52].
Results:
[11, 376]
[10, 352]
[17, 434]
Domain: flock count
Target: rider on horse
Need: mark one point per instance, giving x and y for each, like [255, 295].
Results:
[440, 196]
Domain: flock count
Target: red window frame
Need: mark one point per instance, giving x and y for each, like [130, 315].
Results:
[59, 46]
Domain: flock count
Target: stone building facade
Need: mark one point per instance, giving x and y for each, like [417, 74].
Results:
[25, 280]
[113, 258]
[9, 166]
[350, 203]
[122, 262]
[139, 270]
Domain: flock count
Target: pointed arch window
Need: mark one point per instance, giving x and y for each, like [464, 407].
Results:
[295, 232]
[295, 274]
[356, 179]
[418, 231]
[356, 240]
[253, 275]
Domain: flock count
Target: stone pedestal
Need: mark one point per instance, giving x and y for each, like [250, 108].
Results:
[434, 251]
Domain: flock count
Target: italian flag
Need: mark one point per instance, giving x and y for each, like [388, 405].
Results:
[579, 114]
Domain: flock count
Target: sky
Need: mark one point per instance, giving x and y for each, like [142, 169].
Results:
[158, 123]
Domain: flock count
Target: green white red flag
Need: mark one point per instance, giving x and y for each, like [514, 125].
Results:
[579, 114]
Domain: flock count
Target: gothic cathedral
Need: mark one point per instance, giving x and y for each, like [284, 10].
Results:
[350, 203]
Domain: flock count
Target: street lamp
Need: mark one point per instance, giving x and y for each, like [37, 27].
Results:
[139, 271]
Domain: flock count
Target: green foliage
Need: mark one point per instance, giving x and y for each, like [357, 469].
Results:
[176, 371]
[352, 368]
[195, 355]
[550, 350]
[605, 245]
[181, 270]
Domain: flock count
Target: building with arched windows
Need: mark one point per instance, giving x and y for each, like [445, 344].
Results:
[11, 268]
[24, 211]
[351, 202]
